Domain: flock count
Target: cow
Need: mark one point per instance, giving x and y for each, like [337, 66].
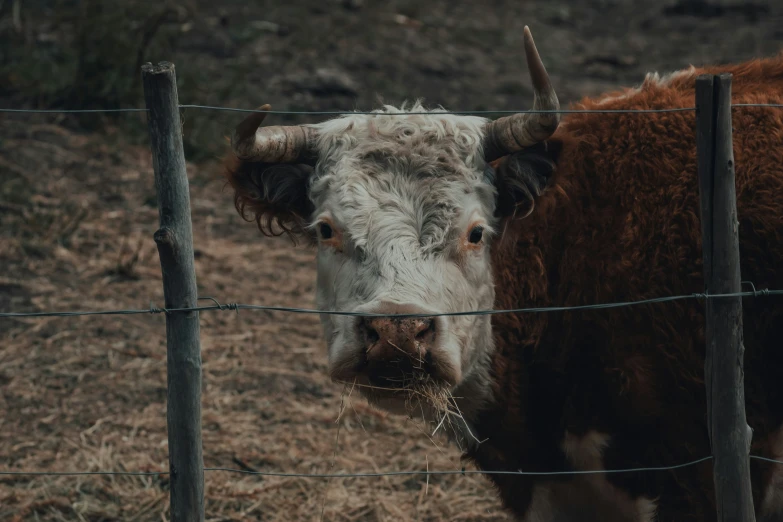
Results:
[418, 216]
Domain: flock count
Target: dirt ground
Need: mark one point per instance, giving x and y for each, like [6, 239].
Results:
[78, 210]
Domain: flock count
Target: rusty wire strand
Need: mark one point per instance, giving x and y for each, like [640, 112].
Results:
[238, 306]
[373, 113]
[383, 473]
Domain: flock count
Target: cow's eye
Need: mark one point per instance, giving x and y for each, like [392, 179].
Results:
[325, 231]
[476, 234]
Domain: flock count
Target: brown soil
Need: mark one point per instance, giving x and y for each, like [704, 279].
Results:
[77, 214]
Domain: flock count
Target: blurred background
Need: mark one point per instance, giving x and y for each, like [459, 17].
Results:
[345, 54]
[78, 210]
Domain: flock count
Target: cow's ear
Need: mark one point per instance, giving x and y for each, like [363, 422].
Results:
[273, 195]
[523, 176]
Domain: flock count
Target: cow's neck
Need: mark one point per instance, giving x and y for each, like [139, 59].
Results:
[493, 396]
[497, 397]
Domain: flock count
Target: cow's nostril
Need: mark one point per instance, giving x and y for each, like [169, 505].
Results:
[372, 335]
[368, 331]
[425, 330]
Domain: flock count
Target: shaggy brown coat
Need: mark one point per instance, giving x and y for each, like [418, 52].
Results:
[620, 221]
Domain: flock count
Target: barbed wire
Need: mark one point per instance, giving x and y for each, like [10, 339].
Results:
[375, 113]
[439, 111]
[270, 308]
[384, 473]
[70, 111]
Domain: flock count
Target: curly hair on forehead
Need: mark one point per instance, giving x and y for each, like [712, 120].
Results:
[356, 134]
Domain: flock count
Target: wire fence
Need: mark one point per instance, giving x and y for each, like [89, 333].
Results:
[385, 473]
[374, 474]
[377, 113]
[294, 310]
[217, 306]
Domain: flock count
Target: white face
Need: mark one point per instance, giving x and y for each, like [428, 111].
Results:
[404, 220]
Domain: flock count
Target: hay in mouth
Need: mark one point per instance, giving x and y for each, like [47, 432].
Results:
[426, 398]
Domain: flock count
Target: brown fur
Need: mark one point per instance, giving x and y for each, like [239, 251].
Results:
[620, 221]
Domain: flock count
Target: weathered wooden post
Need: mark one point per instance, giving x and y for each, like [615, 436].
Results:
[174, 239]
[730, 435]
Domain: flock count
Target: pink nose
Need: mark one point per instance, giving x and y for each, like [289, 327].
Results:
[396, 348]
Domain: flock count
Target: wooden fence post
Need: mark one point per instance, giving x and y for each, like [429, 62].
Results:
[174, 239]
[730, 435]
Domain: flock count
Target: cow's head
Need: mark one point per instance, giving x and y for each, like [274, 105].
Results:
[403, 210]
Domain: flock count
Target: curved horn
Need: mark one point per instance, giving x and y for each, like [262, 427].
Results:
[518, 131]
[278, 144]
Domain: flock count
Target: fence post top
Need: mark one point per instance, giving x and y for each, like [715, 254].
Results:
[707, 76]
[161, 68]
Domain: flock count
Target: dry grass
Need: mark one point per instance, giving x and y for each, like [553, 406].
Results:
[88, 393]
